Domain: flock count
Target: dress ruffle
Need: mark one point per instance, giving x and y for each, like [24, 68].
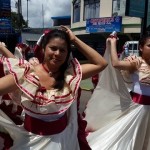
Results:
[48, 102]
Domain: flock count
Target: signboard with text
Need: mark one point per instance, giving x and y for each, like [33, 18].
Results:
[5, 8]
[5, 26]
[108, 24]
[5, 4]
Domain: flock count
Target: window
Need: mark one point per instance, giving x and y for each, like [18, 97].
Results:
[119, 7]
[76, 11]
[91, 9]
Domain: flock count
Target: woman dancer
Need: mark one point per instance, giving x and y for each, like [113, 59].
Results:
[48, 93]
[126, 124]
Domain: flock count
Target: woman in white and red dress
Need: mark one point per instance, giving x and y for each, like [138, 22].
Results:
[48, 93]
[121, 123]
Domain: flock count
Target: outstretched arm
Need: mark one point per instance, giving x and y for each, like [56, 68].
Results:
[4, 51]
[96, 62]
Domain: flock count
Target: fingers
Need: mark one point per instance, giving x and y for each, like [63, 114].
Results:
[64, 28]
[33, 61]
[113, 36]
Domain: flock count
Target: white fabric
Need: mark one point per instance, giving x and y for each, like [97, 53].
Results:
[46, 118]
[117, 122]
[23, 140]
[40, 40]
[109, 100]
[141, 89]
[18, 52]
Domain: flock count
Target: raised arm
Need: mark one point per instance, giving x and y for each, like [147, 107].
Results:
[119, 64]
[96, 62]
[4, 51]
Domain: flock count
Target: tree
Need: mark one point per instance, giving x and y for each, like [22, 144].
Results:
[18, 22]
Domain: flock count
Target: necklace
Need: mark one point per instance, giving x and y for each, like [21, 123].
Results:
[49, 72]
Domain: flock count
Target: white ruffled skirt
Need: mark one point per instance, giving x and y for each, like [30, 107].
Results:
[114, 121]
[130, 132]
[24, 140]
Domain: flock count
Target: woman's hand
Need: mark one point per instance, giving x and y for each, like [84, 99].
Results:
[69, 32]
[111, 40]
[2, 44]
[4, 51]
[34, 61]
[2, 47]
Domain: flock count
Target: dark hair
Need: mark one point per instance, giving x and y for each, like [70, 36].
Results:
[63, 35]
[142, 42]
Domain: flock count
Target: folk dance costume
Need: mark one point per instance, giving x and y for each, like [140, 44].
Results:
[115, 121]
[50, 115]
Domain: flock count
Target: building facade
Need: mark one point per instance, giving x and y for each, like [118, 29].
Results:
[82, 10]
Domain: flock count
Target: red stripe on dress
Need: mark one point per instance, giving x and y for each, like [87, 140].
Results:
[52, 101]
[2, 59]
[53, 113]
[16, 80]
[31, 79]
[72, 77]
[55, 97]
[79, 72]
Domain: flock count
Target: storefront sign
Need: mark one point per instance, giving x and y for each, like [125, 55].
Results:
[5, 9]
[5, 26]
[108, 24]
[5, 4]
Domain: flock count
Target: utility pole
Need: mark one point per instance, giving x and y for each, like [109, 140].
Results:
[27, 14]
[43, 15]
[144, 19]
[19, 14]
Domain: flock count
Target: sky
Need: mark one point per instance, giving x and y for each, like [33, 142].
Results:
[51, 8]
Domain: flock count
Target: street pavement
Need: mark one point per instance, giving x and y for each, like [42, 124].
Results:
[86, 93]
[86, 84]
[85, 97]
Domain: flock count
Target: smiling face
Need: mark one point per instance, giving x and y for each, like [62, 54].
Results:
[145, 49]
[55, 52]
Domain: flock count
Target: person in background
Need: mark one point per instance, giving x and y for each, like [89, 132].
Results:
[4, 51]
[48, 93]
[12, 110]
[130, 126]
[21, 51]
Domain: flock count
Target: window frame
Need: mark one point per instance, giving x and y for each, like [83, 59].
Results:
[90, 3]
[76, 3]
